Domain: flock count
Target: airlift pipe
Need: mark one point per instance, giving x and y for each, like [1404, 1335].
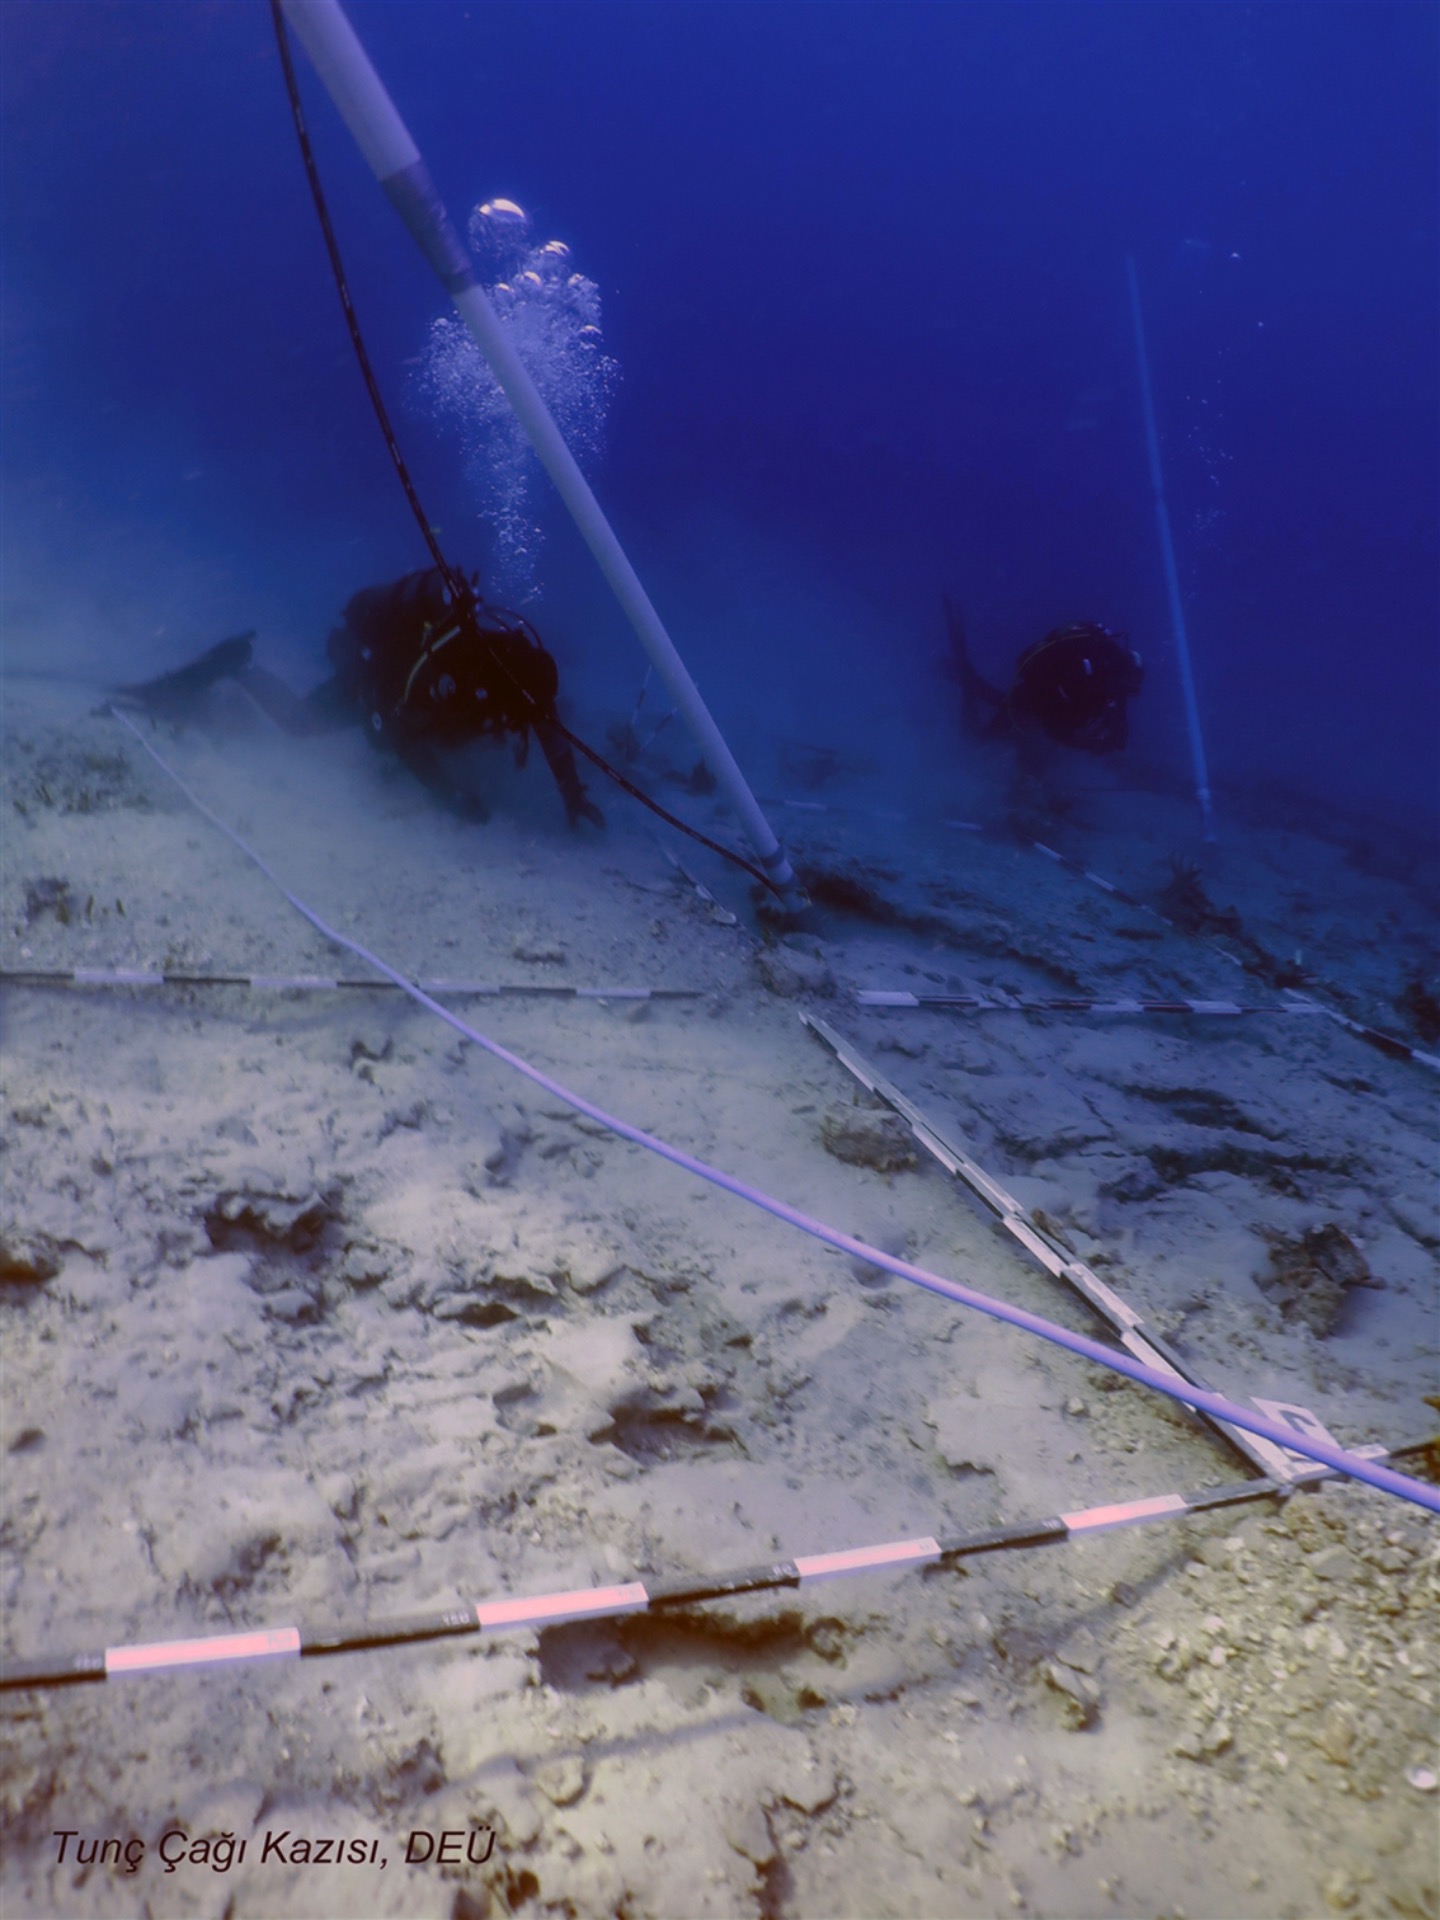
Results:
[1167, 554]
[382, 137]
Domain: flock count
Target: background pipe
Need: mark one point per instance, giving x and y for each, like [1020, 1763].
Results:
[1167, 554]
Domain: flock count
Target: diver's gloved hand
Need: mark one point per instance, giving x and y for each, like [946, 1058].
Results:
[580, 809]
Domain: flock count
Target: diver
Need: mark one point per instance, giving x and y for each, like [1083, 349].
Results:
[1071, 687]
[424, 672]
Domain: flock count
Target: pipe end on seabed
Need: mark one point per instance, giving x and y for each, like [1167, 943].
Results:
[792, 911]
[790, 897]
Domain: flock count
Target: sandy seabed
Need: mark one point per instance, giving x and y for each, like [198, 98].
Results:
[312, 1311]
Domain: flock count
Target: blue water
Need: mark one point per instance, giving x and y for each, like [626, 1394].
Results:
[862, 268]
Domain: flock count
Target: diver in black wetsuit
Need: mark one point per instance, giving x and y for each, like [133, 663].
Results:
[422, 673]
[1071, 687]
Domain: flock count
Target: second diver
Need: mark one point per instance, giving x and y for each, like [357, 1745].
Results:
[1072, 687]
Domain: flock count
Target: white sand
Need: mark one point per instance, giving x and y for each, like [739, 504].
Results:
[351, 1322]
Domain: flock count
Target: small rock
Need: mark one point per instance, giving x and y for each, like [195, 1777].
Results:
[1080, 1697]
[1309, 1277]
[1333, 1563]
[1204, 1742]
[613, 1663]
[49, 895]
[412, 1117]
[792, 974]
[812, 1790]
[748, 1832]
[1339, 1891]
[902, 1043]
[364, 1266]
[1392, 1559]
[773, 1694]
[538, 953]
[862, 1137]
[28, 1259]
[1422, 1779]
[562, 1780]
[264, 1214]
[527, 1286]
[827, 1638]
[295, 1306]
[1079, 1651]
[1336, 1737]
[588, 1268]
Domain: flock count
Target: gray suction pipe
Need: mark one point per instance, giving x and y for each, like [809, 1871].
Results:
[1167, 554]
[395, 160]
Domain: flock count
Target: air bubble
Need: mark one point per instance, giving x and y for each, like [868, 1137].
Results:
[499, 235]
[552, 316]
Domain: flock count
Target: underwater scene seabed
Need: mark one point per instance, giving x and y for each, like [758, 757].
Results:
[363, 1325]
[881, 1363]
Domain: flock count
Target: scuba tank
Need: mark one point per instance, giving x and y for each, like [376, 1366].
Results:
[417, 664]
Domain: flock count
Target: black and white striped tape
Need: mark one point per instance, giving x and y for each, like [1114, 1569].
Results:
[540, 1611]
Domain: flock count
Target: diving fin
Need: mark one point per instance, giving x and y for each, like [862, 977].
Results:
[171, 693]
[982, 706]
